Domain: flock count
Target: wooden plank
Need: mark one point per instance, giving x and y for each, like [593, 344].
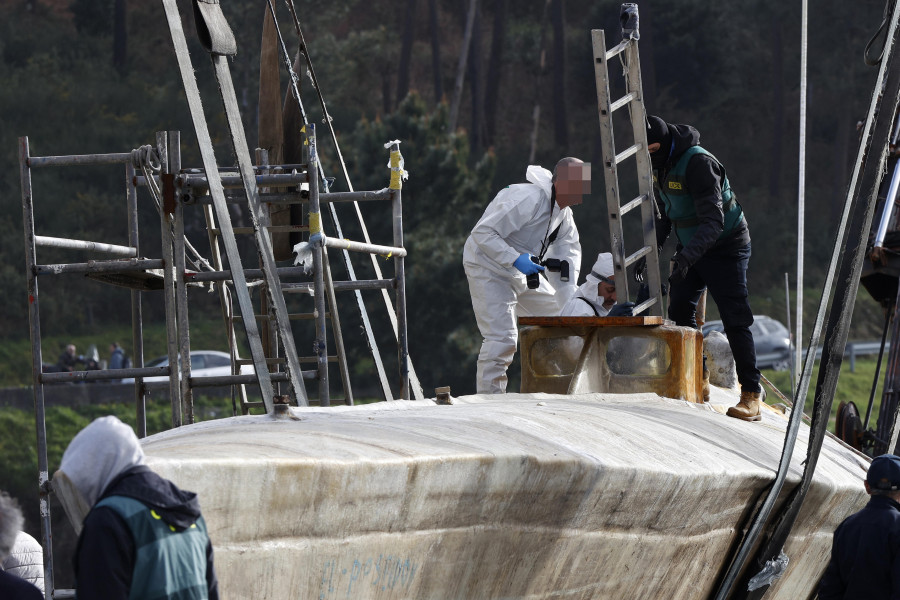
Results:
[592, 321]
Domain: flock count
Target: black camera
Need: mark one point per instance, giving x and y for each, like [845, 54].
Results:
[551, 264]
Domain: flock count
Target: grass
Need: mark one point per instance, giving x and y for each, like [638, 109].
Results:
[853, 386]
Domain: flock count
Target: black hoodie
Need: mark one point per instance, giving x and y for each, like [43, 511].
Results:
[105, 556]
[703, 178]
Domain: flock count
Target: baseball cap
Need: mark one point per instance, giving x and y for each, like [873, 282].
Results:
[884, 472]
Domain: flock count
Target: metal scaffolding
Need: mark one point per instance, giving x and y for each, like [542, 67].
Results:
[126, 266]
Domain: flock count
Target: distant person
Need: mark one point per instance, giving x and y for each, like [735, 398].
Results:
[143, 537]
[712, 252]
[12, 586]
[116, 356]
[68, 360]
[596, 297]
[26, 560]
[865, 554]
[525, 224]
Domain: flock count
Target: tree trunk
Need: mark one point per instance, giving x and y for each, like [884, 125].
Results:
[648, 64]
[476, 134]
[461, 67]
[492, 86]
[560, 118]
[778, 106]
[542, 64]
[386, 105]
[409, 28]
[120, 36]
[435, 50]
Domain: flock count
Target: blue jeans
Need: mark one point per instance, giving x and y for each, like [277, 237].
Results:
[724, 274]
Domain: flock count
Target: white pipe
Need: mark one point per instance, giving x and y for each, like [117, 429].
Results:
[801, 193]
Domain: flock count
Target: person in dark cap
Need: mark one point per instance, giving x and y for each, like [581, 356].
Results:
[713, 245]
[865, 554]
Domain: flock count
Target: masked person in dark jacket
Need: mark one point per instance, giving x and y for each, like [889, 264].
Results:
[865, 554]
[143, 537]
[713, 245]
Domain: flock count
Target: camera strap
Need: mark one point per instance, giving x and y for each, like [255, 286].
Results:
[545, 244]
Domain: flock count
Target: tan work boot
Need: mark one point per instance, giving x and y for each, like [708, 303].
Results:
[705, 384]
[748, 407]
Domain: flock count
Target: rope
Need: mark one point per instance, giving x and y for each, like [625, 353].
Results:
[147, 160]
[872, 62]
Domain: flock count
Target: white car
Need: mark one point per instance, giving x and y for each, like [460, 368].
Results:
[204, 363]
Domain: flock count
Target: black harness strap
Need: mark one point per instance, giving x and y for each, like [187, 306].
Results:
[588, 302]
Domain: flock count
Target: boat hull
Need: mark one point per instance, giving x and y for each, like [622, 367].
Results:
[519, 496]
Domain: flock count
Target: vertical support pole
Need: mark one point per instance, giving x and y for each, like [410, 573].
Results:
[638, 113]
[181, 299]
[36, 361]
[610, 170]
[137, 327]
[396, 185]
[315, 230]
[336, 331]
[269, 329]
[166, 216]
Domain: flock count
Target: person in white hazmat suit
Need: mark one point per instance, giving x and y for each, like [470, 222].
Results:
[596, 297]
[523, 222]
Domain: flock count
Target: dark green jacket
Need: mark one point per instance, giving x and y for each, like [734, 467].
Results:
[128, 549]
[679, 204]
[695, 197]
[169, 563]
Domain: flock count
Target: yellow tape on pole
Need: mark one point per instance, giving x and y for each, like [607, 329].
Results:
[315, 223]
[396, 170]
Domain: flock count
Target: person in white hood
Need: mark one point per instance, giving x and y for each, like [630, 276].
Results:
[524, 222]
[140, 535]
[596, 297]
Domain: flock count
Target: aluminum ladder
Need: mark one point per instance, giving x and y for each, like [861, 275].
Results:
[633, 99]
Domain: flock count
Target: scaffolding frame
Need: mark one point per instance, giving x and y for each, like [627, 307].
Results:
[125, 266]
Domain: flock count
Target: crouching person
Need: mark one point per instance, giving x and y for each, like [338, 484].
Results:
[596, 297]
[140, 535]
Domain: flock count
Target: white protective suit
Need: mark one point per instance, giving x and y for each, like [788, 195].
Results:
[587, 302]
[26, 560]
[518, 221]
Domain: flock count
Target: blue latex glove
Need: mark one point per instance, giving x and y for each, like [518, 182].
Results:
[524, 264]
[621, 310]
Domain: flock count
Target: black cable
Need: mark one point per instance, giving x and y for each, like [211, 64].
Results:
[888, 10]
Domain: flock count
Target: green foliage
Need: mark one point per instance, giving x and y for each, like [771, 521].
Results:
[729, 69]
[853, 386]
[442, 199]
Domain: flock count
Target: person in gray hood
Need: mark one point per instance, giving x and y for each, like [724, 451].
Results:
[143, 537]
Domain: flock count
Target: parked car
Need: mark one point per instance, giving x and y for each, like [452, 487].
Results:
[772, 340]
[204, 363]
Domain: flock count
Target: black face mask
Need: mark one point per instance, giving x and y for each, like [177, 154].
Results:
[659, 159]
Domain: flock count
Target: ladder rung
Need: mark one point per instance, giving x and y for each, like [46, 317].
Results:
[271, 229]
[622, 101]
[633, 204]
[637, 255]
[292, 317]
[644, 306]
[626, 153]
[280, 361]
[618, 48]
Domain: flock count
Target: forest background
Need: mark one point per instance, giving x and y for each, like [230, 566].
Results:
[90, 76]
[97, 76]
